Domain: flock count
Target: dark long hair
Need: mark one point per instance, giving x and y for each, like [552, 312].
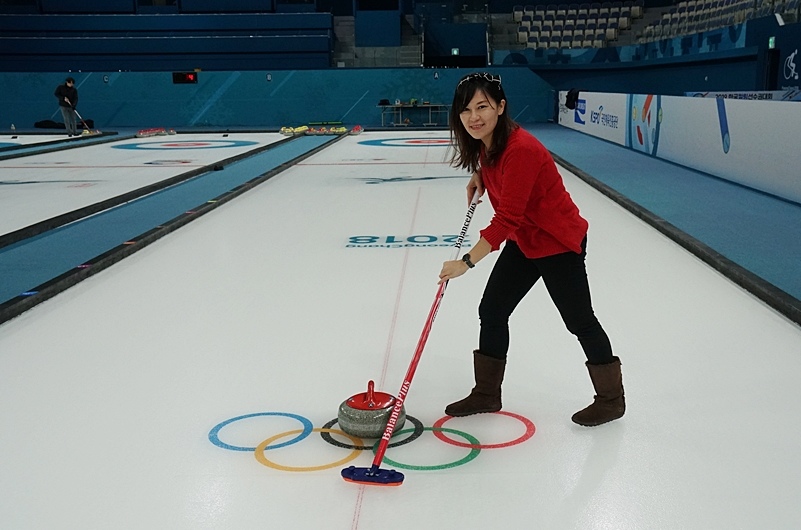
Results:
[466, 149]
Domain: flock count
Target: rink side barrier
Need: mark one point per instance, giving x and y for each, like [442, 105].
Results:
[751, 142]
[771, 295]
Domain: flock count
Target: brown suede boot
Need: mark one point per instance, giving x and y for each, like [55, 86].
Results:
[486, 395]
[610, 400]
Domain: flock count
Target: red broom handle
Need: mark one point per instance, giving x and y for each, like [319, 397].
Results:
[421, 343]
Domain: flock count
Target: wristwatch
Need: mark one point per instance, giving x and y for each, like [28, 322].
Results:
[466, 259]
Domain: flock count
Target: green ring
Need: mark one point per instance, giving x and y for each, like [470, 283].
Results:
[470, 456]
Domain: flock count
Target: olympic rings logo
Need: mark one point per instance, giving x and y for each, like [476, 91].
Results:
[357, 445]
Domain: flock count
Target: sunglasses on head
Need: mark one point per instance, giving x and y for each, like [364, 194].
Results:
[482, 75]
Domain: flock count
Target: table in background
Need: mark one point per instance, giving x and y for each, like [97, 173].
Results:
[397, 112]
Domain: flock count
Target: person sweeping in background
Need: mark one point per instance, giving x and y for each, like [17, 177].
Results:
[67, 96]
[543, 236]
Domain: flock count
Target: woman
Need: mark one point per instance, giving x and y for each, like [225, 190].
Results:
[545, 237]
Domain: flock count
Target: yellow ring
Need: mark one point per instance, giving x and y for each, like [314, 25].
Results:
[263, 459]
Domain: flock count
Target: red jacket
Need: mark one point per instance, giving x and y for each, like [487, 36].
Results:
[531, 204]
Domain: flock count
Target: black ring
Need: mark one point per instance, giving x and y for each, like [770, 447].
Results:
[417, 433]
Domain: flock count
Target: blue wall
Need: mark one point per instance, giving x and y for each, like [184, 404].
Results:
[377, 28]
[253, 98]
[229, 6]
[40, 43]
[130, 6]
[88, 6]
[469, 39]
[709, 72]
[717, 60]
[788, 42]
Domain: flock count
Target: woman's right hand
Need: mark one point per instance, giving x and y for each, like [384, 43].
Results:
[476, 184]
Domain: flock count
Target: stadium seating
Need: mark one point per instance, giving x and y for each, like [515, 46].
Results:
[572, 25]
[692, 16]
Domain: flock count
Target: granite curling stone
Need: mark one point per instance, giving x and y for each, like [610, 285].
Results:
[366, 414]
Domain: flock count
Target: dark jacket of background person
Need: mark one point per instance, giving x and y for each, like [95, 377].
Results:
[69, 92]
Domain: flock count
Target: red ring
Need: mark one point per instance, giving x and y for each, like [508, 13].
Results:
[528, 434]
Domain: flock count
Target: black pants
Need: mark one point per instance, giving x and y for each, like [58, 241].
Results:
[565, 277]
[69, 120]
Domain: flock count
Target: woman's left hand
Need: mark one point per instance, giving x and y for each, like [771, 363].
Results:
[452, 269]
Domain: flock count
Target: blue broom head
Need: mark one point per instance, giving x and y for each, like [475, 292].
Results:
[372, 476]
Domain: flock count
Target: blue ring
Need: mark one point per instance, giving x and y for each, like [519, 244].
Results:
[228, 143]
[384, 142]
[214, 438]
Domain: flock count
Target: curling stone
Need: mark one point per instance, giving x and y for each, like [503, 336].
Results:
[366, 415]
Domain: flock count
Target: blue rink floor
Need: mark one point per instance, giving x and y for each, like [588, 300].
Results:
[749, 236]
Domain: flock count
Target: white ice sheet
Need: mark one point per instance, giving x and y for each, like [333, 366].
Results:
[109, 390]
[39, 187]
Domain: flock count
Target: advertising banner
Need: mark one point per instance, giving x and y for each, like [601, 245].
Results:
[599, 114]
[789, 94]
[751, 142]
